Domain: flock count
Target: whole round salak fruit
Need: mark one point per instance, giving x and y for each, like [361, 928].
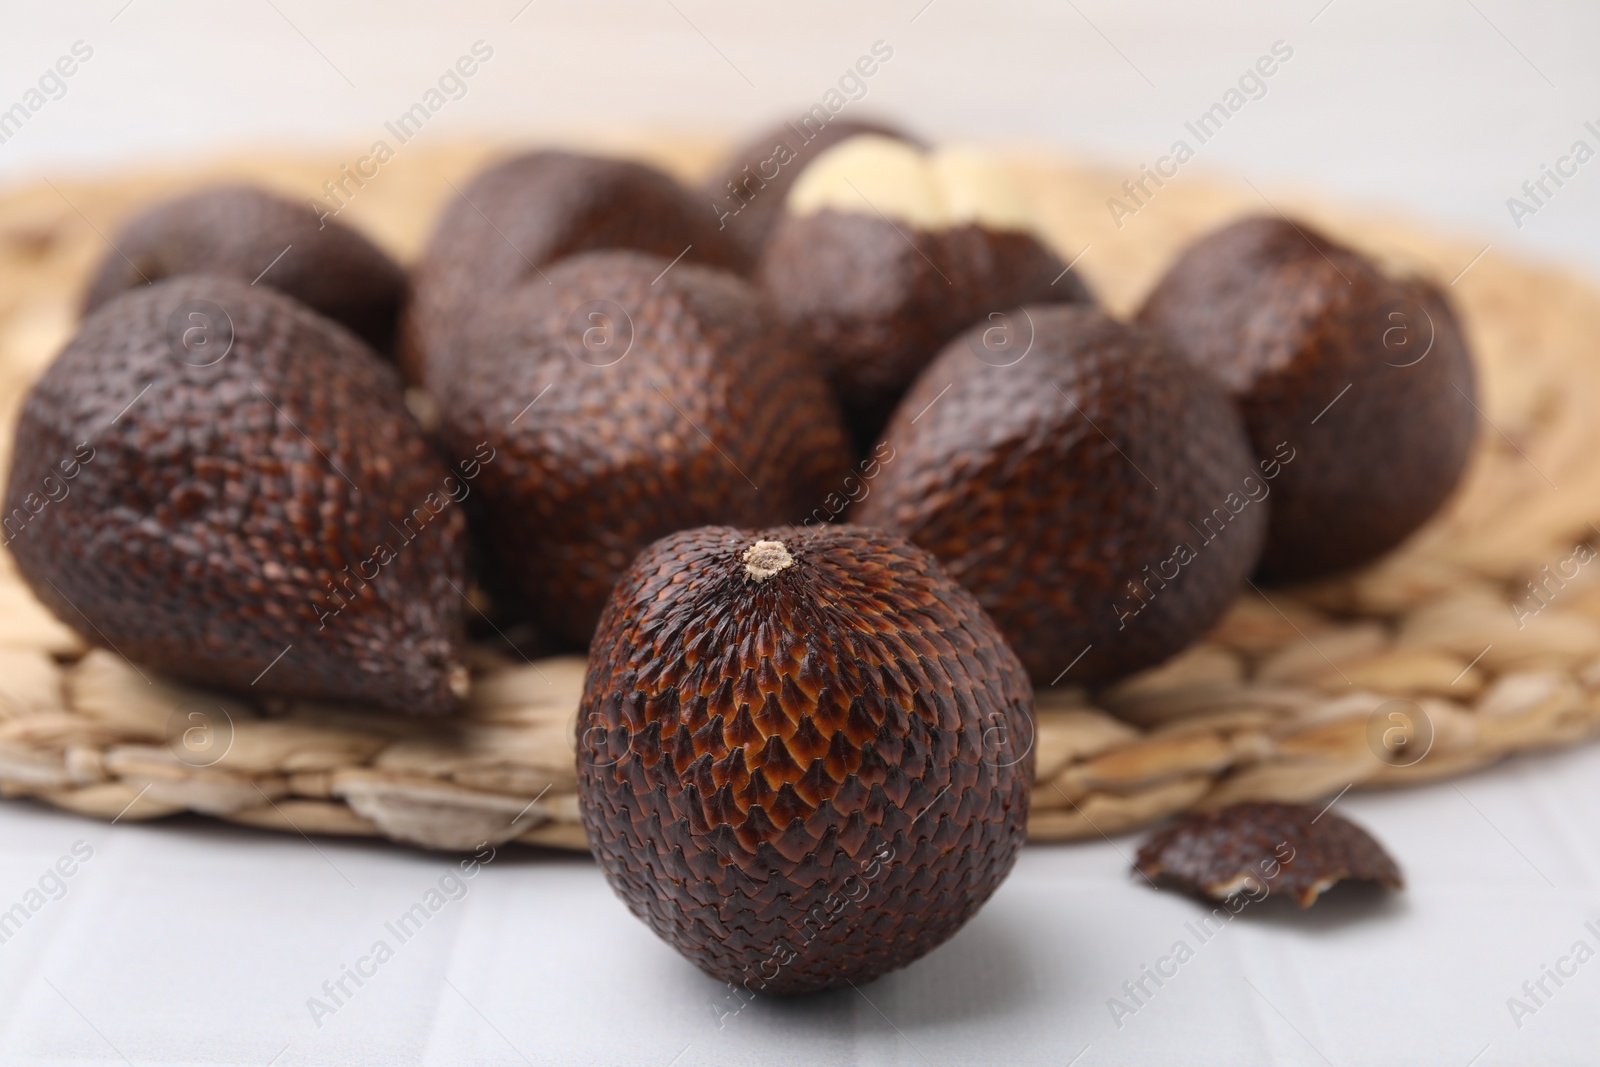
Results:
[804, 755]
[1094, 490]
[239, 231]
[216, 481]
[626, 399]
[1364, 379]
[515, 218]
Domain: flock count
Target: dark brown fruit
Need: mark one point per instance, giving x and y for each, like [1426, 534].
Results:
[237, 231]
[885, 253]
[628, 400]
[1365, 377]
[804, 755]
[748, 191]
[1260, 848]
[517, 217]
[223, 485]
[1092, 489]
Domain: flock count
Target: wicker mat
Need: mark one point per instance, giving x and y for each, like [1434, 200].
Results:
[1440, 659]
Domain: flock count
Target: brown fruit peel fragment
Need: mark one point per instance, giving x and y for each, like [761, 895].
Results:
[1261, 848]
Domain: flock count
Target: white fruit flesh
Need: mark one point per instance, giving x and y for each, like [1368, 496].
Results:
[871, 174]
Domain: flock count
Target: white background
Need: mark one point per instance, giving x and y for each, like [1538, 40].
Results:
[188, 943]
[1440, 107]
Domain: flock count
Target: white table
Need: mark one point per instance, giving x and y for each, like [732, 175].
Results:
[191, 943]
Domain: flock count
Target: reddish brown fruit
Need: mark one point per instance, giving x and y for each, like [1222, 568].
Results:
[747, 193]
[1091, 488]
[804, 756]
[517, 217]
[885, 253]
[219, 483]
[629, 400]
[1258, 848]
[1366, 377]
[237, 231]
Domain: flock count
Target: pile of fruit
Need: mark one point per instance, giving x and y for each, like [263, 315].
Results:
[826, 487]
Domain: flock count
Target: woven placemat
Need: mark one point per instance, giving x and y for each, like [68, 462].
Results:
[1479, 638]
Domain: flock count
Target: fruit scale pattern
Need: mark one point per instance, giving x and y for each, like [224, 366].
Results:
[725, 730]
[1488, 620]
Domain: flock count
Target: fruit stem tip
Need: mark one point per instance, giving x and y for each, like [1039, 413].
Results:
[764, 559]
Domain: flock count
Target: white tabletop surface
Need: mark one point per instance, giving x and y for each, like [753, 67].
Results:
[191, 943]
[185, 942]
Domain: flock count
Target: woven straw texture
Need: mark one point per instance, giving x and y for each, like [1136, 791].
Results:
[1478, 638]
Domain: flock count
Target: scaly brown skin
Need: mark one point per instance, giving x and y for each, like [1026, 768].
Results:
[517, 217]
[219, 503]
[750, 210]
[1288, 319]
[237, 231]
[876, 300]
[1047, 482]
[692, 408]
[1258, 848]
[809, 780]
